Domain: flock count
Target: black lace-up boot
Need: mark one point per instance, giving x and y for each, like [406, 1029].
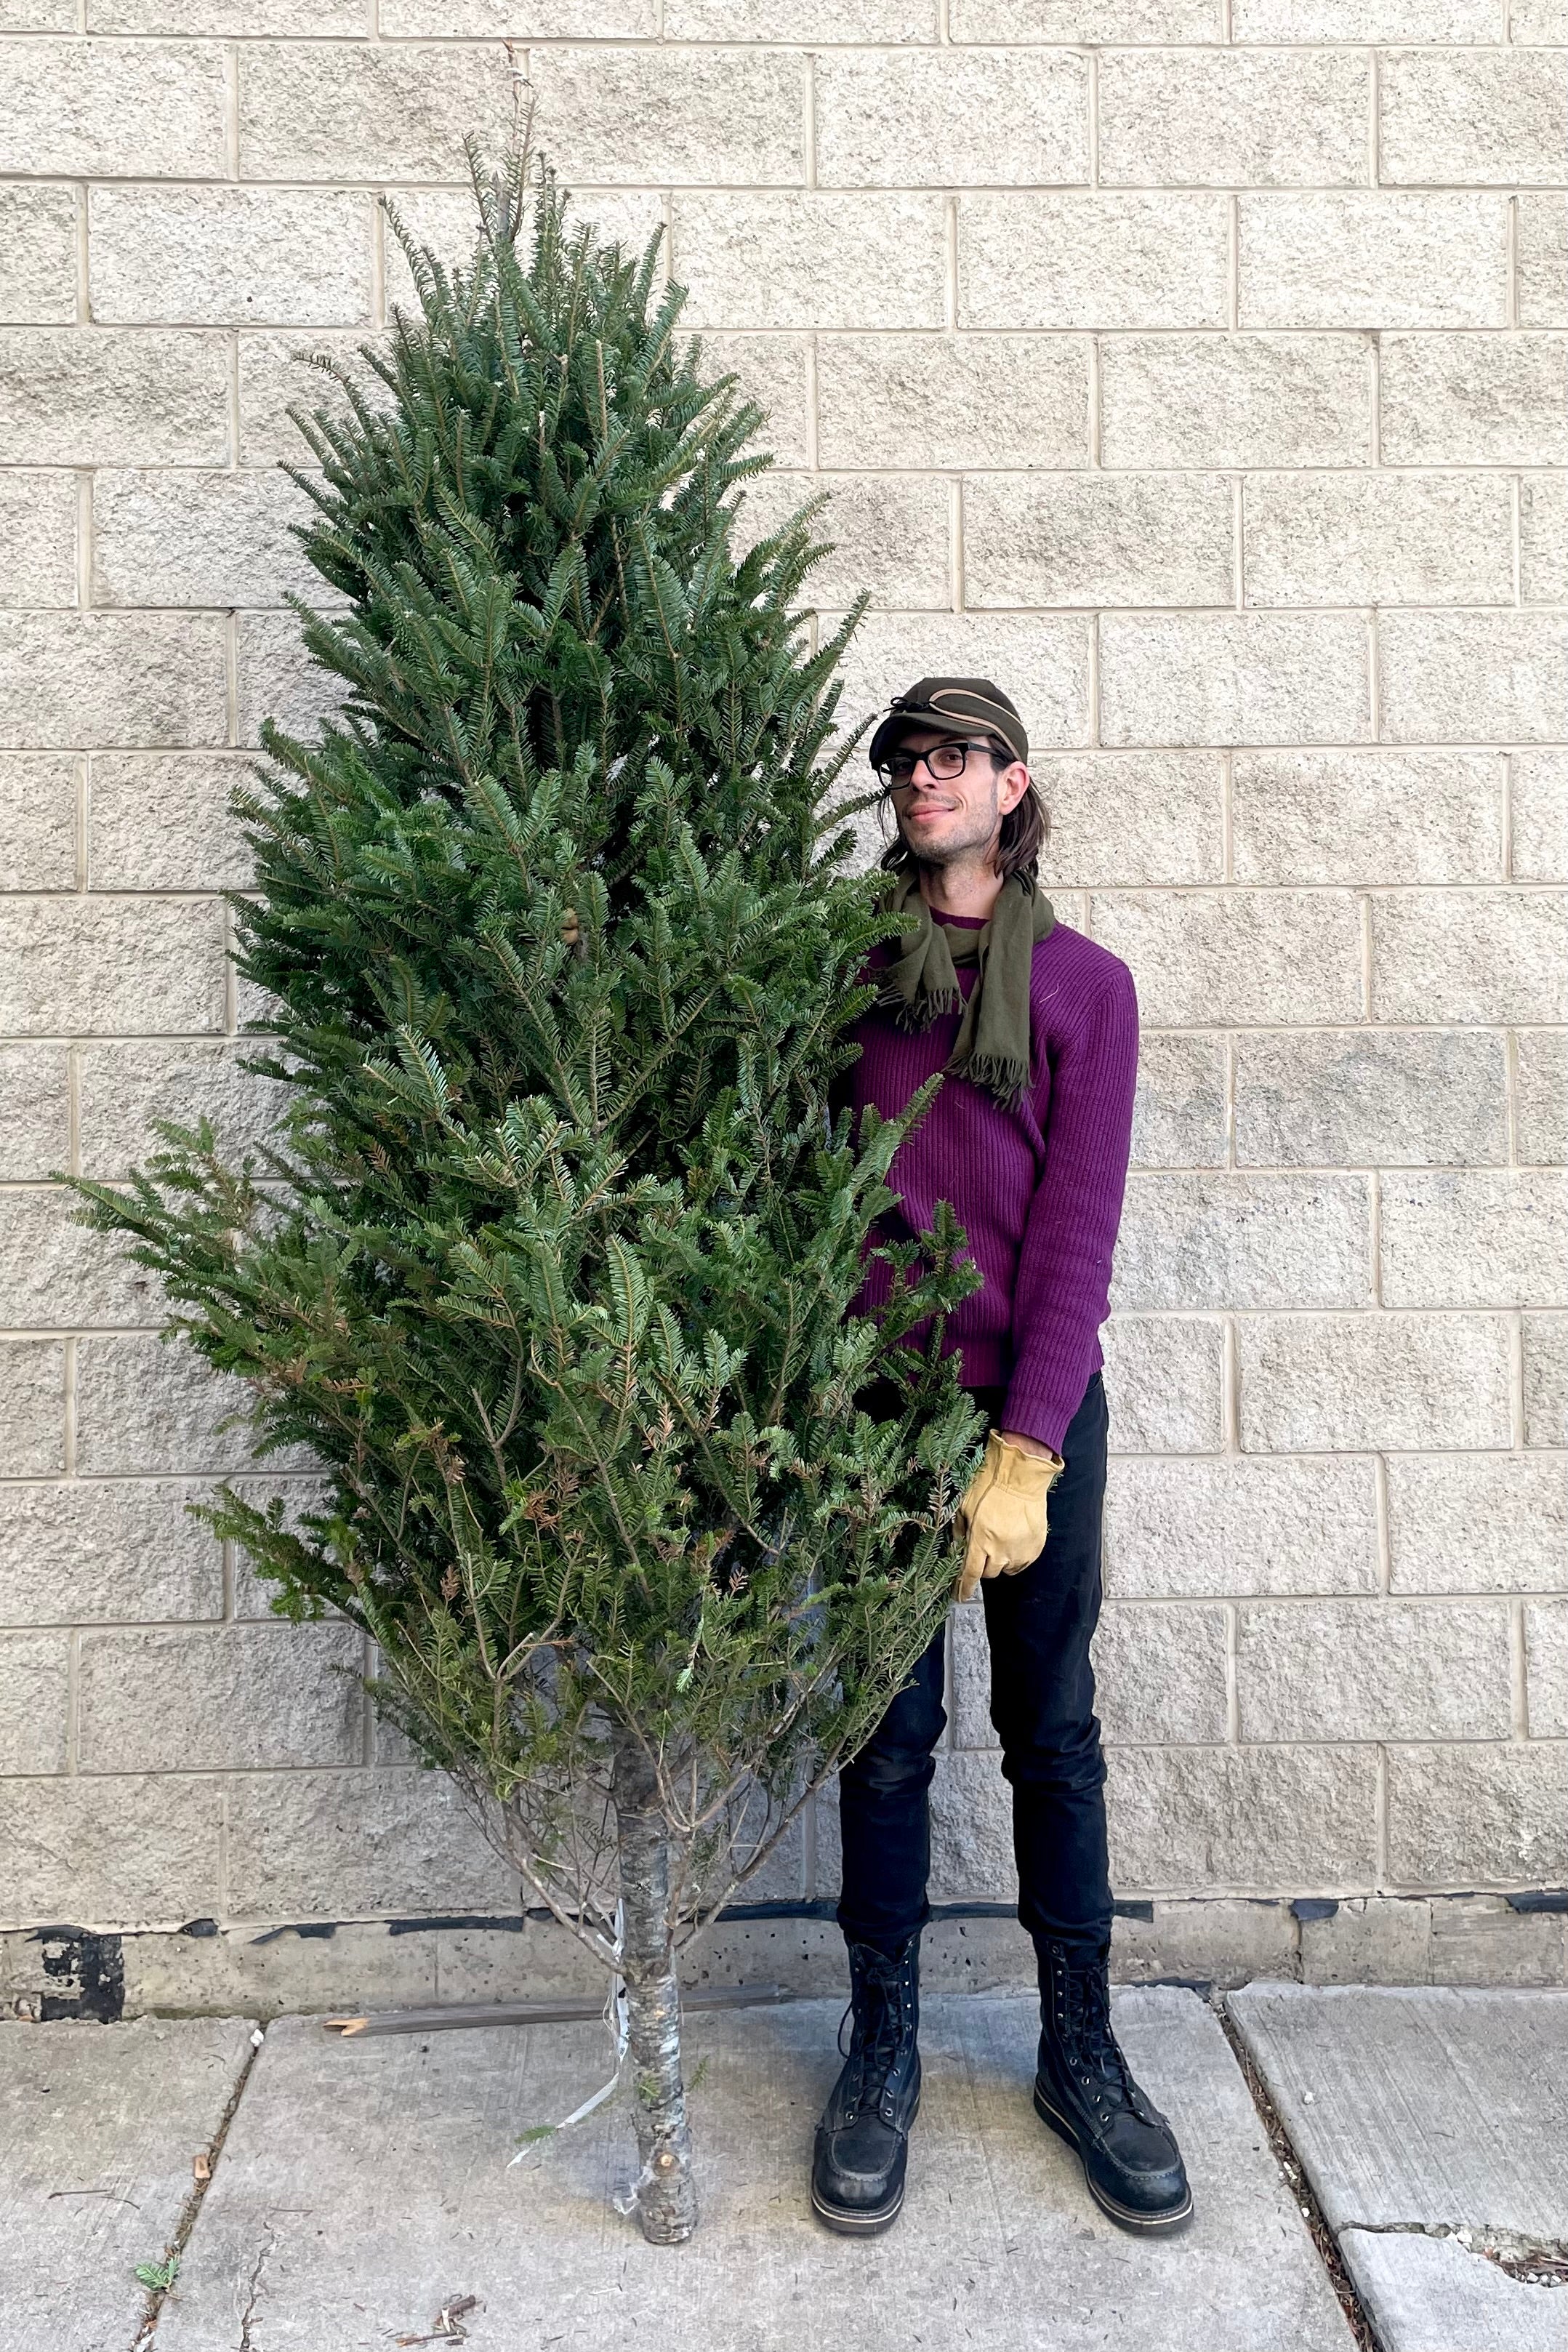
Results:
[1085, 2091]
[862, 2140]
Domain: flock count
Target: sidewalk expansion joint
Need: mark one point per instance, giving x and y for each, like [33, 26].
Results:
[1296, 2181]
[175, 2249]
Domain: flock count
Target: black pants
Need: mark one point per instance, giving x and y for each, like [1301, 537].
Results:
[1038, 1625]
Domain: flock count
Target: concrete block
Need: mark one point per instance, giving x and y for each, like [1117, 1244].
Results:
[1228, 1819]
[239, 19]
[800, 20]
[969, 1678]
[86, 679]
[1480, 1939]
[771, 371]
[1366, 816]
[1234, 678]
[1163, 1377]
[1535, 21]
[1230, 1240]
[1473, 400]
[230, 257]
[1101, 259]
[1542, 1094]
[1187, 1530]
[34, 1112]
[545, 20]
[147, 1405]
[38, 232]
[1371, 258]
[1349, 1383]
[279, 680]
[1476, 1237]
[35, 1684]
[1546, 1667]
[276, 372]
[100, 965]
[1236, 957]
[1382, 539]
[1494, 115]
[1365, 20]
[94, 397]
[92, 1550]
[1098, 539]
[1034, 104]
[973, 400]
[1159, 1673]
[255, 1594]
[1469, 955]
[1374, 1669]
[810, 259]
[1545, 1379]
[1234, 399]
[102, 1851]
[32, 1408]
[971, 1830]
[1085, 21]
[1042, 660]
[1462, 1816]
[37, 539]
[1539, 253]
[187, 537]
[1539, 810]
[161, 821]
[38, 821]
[1132, 819]
[1178, 1114]
[302, 1844]
[1268, 119]
[56, 1276]
[704, 117]
[1468, 676]
[230, 1698]
[890, 533]
[1542, 540]
[1223, 1940]
[125, 1085]
[130, 110]
[1478, 1523]
[1370, 1099]
[349, 109]
[1370, 1939]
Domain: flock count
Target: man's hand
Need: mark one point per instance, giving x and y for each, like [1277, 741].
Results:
[1003, 1512]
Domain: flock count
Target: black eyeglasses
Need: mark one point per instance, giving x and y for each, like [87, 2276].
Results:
[942, 763]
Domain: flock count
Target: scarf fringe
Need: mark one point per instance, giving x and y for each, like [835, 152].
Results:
[998, 1074]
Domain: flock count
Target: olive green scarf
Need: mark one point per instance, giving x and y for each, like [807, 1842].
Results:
[992, 1048]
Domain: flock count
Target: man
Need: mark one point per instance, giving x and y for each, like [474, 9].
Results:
[1037, 1029]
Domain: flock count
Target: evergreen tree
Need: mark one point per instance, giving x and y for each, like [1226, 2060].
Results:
[553, 1261]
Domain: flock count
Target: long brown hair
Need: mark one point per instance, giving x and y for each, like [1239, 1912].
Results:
[1024, 833]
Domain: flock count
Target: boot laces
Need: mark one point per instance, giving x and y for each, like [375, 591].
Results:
[1092, 2042]
[878, 2008]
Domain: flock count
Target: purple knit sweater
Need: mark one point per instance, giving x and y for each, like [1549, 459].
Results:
[1038, 1191]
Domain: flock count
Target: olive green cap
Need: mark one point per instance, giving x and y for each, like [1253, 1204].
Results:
[954, 702]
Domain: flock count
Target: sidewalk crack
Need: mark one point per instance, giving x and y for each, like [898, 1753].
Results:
[1296, 2181]
[268, 2244]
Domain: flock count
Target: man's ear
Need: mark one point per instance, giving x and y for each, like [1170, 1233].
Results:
[1012, 782]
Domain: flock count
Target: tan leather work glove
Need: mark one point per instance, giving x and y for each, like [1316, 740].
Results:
[1003, 1513]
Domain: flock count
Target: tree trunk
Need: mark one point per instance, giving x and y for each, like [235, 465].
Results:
[665, 2193]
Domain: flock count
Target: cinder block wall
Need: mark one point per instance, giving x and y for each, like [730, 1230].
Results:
[1196, 367]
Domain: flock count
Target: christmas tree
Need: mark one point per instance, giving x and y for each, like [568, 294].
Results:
[553, 1260]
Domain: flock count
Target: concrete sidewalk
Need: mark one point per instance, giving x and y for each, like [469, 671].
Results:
[363, 2187]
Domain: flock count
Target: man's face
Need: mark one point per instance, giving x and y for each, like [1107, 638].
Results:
[944, 820]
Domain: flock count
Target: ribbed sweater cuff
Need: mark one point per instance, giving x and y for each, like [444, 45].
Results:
[1035, 1414]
